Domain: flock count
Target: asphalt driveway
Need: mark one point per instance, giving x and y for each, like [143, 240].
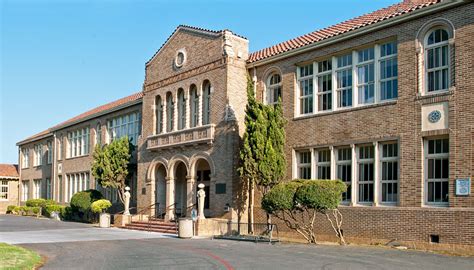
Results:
[86, 247]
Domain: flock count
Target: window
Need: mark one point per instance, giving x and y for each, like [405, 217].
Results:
[366, 174]
[388, 71]
[61, 187]
[365, 76]
[306, 89]
[98, 134]
[38, 161]
[437, 174]
[60, 148]
[25, 190]
[78, 142]
[48, 189]
[37, 189]
[389, 175]
[76, 182]
[108, 192]
[158, 115]
[4, 190]
[437, 60]
[344, 81]
[125, 125]
[304, 165]
[169, 112]
[206, 103]
[25, 161]
[324, 164]
[324, 77]
[50, 152]
[194, 105]
[273, 88]
[181, 109]
[344, 170]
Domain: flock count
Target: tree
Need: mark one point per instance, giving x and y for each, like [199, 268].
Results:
[298, 202]
[110, 166]
[262, 154]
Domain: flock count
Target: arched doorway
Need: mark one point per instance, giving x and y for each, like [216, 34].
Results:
[160, 190]
[203, 176]
[180, 195]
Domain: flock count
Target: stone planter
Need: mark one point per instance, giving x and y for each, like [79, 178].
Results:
[104, 220]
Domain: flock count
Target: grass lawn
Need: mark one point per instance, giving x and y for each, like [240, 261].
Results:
[14, 257]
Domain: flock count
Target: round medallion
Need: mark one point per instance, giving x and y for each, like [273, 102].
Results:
[180, 58]
[434, 116]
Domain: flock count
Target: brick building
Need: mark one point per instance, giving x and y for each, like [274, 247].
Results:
[8, 186]
[382, 102]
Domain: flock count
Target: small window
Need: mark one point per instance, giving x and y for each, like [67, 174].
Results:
[194, 105]
[344, 170]
[181, 109]
[221, 188]
[158, 115]
[437, 58]
[206, 103]
[169, 112]
[304, 165]
[437, 174]
[323, 164]
[366, 174]
[344, 81]
[273, 88]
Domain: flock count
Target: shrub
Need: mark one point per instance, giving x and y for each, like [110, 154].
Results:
[10, 209]
[53, 208]
[100, 206]
[66, 213]
[281, 197]
[81, 201]
[320, 195]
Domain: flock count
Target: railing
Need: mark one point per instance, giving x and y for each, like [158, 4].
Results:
[196, 135]
[262, 232]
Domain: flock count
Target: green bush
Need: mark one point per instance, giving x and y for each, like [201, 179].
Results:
[81, 201]
[53, 208]
[66, 213]
[27, 210]
[320, 194]
[10, 209]
[281, 197]
[100, 206]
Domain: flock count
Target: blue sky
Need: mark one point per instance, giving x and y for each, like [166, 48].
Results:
[61, 58]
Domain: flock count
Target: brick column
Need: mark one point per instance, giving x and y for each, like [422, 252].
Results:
[354, 175]
[170, 182]
[191, 194]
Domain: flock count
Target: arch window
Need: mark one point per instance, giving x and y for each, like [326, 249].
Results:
[181, 109]
[273, 88]
[437, 58]
[194, 105]
[206, 103]
[169, 112]
[158, 115]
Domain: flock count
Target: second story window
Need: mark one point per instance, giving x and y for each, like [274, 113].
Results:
[60, 147]
[181, 109]
[125, 125]
[273, 88]
[158, 115]
[344, 81]
[25, 160]
[38, 155]
[305, 82]
[324, 85]
[206, 103]
[169, 112]
[365, 76]
[50, 152]
[388, 71]
[437, 60]
[98, 134]
[78, 143]
[194, 105]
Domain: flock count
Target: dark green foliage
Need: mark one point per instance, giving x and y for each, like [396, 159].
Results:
[67, 213]
[40, 202]
[10, 209]
[320, 195]
[53, 208]
[281, 197]
[110, 166]
[81, 201]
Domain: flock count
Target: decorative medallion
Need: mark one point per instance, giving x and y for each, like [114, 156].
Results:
[434, 116]
[180, 58]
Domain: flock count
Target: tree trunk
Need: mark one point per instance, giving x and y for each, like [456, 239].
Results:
[251, 204]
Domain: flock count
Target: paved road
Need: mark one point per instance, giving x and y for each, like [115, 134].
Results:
[140, 250]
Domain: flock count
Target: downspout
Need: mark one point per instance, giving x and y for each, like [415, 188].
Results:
[53, 169]
[19, 176]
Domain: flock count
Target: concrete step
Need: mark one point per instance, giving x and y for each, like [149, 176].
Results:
[154, 226]
[132, 227]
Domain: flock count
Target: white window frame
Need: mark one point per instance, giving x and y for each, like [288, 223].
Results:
[124, 125]
[78, 143]
[345, 162]
[428, 156]
[4, 190]
[389, 159]
[387, 58]
[310, 79]
[303, 166]
[37, 189]
[338, 90]
[158, 115]
[38, 155]
[359, 182]
[271, 87]
[49, 187]
[169, 112]
[322, 164]
[50, 151]
[365, 64]
[25, 189]
[206, 103]
[319, 74]
[425, 57]
[194, 105]
[25, 163]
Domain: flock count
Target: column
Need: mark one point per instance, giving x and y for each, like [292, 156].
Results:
[333, 163]
[354, 176]
[169, 199]
[376, 175]
[314, 174]
[191, 194]
[164, 116]
[199, 123]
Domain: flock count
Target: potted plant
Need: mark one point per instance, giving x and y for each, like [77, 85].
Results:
[100, 206]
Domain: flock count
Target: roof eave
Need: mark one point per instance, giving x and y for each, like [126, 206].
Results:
[363, 30]
[30, 140]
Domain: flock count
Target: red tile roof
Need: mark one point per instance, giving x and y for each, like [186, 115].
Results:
[9, 170]
[101, 109]
[341, 28]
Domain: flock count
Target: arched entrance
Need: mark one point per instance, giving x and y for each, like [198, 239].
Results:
[180, 194]
[160, 190]
[203, 176]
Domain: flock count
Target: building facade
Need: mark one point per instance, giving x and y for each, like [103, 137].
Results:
[8, 186]
[382, 102]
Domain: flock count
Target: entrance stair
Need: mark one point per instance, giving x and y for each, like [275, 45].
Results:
[154, 225]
